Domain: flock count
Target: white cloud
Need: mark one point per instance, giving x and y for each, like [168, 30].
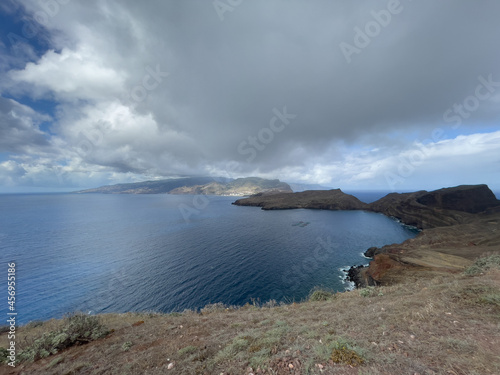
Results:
[465, 159]
[71, 75]
[225, 79]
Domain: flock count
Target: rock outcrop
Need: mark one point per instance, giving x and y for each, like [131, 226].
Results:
[443, 207]
[314, 199]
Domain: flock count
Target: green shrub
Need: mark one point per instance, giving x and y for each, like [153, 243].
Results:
[483, 264]
[492, 298]
[126, 346]
[367, 292]
[78, 328]
[4, 354]
[320, 295]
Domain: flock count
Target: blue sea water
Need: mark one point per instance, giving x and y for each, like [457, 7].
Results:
[118, 253]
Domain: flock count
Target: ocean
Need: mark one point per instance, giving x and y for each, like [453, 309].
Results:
[101, 253]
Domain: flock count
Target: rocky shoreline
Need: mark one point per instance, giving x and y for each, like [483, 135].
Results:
[457, 225]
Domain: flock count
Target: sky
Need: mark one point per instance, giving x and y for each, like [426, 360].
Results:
[365, 95]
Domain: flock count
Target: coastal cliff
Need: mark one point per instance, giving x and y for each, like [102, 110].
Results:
[458, 225]
[443, 207]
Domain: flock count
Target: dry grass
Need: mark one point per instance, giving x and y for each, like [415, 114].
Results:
[448, 324]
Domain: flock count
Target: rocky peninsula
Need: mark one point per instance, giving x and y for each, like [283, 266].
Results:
[458, 225]
[315, 199]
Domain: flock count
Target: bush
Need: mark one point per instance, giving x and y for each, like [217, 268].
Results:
[320, 295]
[77, 329]
[4, 354]
[367, 292]
[127, 345]
[483, 264]
[492, 298]
[345, 354]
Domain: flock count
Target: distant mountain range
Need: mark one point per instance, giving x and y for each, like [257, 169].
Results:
[196, 185]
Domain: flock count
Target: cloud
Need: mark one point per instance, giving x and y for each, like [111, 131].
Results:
[70, 75]
[167, 88]
[466, 159]
[19, 131]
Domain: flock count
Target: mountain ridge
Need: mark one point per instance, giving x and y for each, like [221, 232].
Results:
[195, 185]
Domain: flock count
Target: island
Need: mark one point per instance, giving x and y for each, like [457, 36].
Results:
[196, 186]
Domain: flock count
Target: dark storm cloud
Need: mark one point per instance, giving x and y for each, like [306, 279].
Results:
[232, 69]
[232, 73]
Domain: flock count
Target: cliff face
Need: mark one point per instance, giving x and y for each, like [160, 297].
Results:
[466, 198]
[315, 199]
[443, 207]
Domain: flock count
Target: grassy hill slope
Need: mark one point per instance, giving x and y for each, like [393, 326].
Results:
[438, 323]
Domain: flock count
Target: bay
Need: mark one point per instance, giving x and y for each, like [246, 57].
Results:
[115, 253]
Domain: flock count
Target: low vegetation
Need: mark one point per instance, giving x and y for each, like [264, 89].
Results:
[446, 323]
[321, 295]
[483, 264]
[77, 329]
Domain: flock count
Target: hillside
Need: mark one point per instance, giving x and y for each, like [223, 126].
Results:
[444, 323]
[149, 187]
[447, 206]
[195, 185]
[238, 187]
